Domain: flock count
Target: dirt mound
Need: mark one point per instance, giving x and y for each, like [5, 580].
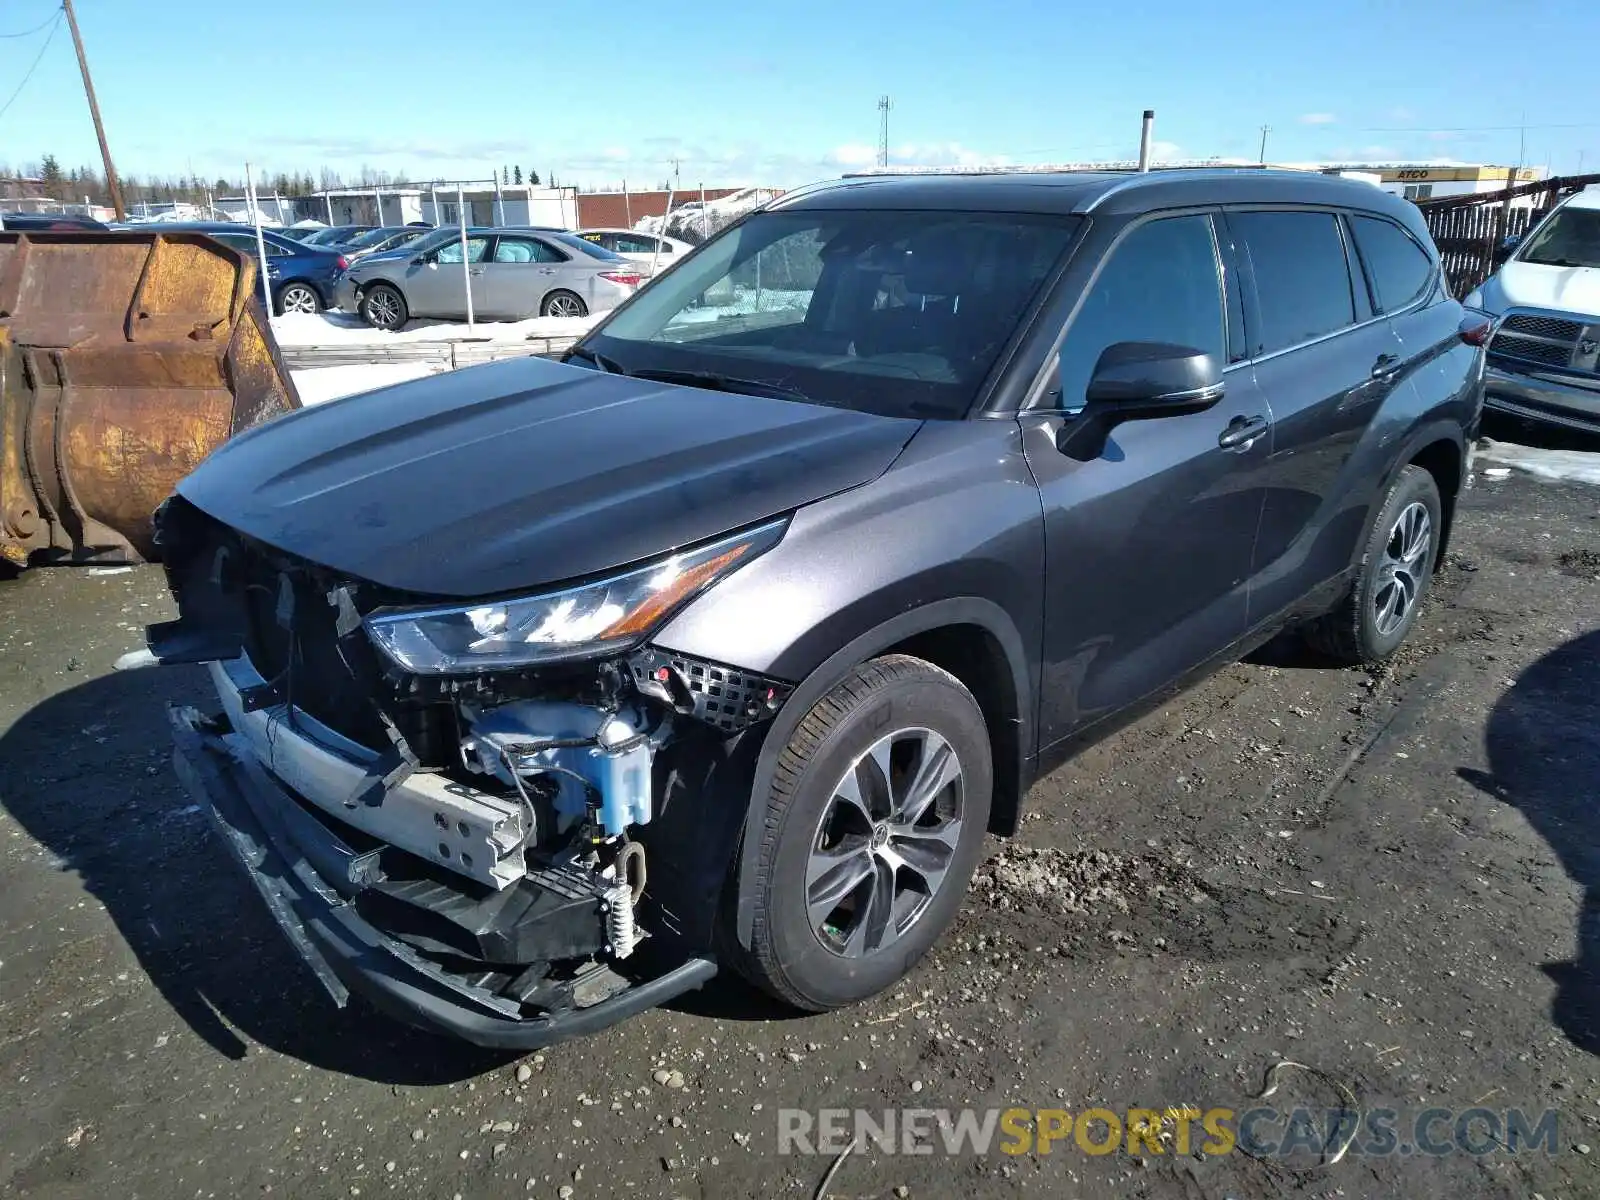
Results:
[1081, 882]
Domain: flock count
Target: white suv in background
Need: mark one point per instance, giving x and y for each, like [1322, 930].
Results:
[1544, 357]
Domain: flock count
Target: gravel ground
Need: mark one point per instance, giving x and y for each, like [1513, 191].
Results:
[1385, 875]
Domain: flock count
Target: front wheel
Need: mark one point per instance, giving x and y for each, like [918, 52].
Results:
[298, 298]
[563, 304]
[383, 307]
[874, 823]
[1397, 564]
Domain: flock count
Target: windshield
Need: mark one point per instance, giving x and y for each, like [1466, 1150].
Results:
[1570, 238]
[372, 237]
[900, 313]
[426, 240]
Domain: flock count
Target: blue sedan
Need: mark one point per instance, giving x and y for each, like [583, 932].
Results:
[302, 278]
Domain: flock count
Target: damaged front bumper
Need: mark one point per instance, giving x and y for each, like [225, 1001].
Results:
[313, 879]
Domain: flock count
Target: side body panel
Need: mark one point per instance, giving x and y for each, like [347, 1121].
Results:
[1350, 410]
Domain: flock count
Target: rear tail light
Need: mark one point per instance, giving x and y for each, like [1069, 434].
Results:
[342, 263]
[1475, 329]
[619, 277]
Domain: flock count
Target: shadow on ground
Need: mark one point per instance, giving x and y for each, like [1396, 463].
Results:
[87, 774]
[1543, 742]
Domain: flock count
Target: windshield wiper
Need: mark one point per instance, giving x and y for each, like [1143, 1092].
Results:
[609, 365]
[717, 382]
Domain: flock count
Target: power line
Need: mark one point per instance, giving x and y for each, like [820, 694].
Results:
[33, 66]
[36, 28]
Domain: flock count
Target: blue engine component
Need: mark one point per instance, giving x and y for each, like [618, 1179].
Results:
[611, 752]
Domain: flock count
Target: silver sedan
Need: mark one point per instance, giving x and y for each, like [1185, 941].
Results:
[513, 272]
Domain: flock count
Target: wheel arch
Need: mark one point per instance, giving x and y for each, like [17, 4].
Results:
[1445, 459]
[972, 638]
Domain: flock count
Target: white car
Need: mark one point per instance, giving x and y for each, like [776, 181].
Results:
[644, 248]
[1544, 356]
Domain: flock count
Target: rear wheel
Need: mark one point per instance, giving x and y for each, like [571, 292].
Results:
[383, 307]
[563, 303]
[1396, 568]
[872, 828]
[298, 298]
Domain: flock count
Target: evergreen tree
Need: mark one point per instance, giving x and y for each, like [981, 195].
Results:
[50, 175]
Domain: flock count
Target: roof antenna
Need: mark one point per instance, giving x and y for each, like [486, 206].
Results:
[1144, 138]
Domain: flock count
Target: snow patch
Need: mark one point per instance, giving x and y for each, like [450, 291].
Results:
[321, 384]
[694, 222]
[1570, 466]
[347, 329]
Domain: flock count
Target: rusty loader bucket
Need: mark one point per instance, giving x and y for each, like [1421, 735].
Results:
[125, 358]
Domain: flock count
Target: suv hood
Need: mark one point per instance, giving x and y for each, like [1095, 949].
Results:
[1533, 285]
[519, 474]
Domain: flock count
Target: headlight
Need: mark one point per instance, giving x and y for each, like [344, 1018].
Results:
[604, 617]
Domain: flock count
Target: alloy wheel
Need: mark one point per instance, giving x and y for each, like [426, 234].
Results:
[384, 309]
[563, 306]
[1403, 568]
[299, 300]
[886, 840]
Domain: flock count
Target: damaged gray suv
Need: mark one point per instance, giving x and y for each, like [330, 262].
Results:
[549, 689]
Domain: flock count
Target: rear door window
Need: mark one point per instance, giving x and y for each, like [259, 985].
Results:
[1397, 267]
[1302, 278]
[1161, 284]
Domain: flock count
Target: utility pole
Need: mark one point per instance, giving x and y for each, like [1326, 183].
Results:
[1265, 129]
[884, 105]
[113, 185]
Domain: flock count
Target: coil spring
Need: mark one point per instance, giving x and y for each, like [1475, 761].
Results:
[620, 930]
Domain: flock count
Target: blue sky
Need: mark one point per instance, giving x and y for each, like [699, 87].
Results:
[779, 93]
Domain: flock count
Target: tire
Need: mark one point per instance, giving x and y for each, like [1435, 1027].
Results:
[562, 303]
[383, 307]
[298, 297]
[1397, 564]
[837, 951]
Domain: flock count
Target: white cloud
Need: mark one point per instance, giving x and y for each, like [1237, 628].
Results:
[1319, 118]
[943, 154]
[854, 154]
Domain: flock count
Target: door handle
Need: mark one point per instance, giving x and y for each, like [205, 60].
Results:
[1385, 366]
[1241, 432]
[475, 271]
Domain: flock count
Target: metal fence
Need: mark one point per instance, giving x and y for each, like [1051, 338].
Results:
[1471, 231]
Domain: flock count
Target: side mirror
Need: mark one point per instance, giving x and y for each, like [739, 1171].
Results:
[1510, 243]
[1139, 381]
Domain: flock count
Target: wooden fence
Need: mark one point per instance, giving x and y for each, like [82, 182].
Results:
[1471, 230]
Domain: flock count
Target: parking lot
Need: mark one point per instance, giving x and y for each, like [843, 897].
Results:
[1382, 876]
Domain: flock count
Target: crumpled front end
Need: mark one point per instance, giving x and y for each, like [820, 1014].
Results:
[472, 853]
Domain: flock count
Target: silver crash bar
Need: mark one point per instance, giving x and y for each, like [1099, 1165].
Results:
[469, 831]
